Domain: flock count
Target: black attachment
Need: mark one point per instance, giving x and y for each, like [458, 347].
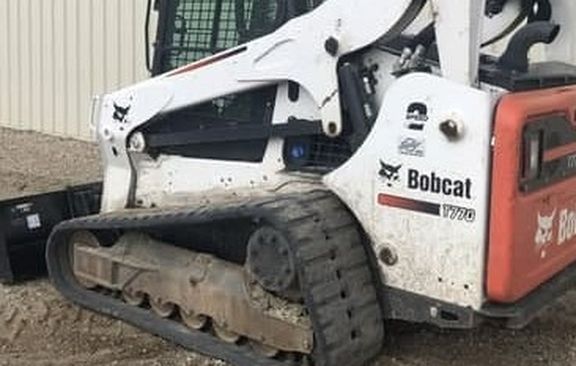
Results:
[26, 223]
[516, 55]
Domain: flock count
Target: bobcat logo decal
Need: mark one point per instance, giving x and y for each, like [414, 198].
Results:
[545, 226]
[120, 113]
[390, 173]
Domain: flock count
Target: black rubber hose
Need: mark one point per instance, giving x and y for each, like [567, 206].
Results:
[516, 55]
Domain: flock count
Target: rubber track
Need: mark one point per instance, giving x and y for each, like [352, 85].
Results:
[334, 273]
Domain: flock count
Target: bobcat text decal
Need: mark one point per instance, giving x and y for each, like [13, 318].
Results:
[395, 175]
[434, 183]
[567, 226]
[546, 223]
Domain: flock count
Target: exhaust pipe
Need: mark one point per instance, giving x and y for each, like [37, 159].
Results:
[516, 55]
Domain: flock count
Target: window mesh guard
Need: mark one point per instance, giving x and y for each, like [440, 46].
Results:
[206, 27]
[197, 29]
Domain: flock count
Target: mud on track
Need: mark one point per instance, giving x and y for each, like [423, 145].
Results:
[38, 327]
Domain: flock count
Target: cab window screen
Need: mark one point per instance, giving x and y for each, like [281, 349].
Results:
[204, 27]
[190, 30]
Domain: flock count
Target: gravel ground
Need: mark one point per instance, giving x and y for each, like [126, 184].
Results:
[38, 327]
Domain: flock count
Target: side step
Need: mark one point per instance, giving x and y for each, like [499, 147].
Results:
[26, 223]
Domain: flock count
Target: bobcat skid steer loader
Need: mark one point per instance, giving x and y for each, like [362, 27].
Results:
[299, 172]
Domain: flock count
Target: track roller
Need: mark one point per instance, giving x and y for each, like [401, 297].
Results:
[224, 334]
[263, 349]
[193, 320]
[133, 297]
[164, 309]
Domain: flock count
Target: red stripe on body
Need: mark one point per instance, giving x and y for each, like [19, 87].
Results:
[207, 61]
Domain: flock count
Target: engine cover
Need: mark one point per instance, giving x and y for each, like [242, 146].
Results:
[533, 203]
[420, 187]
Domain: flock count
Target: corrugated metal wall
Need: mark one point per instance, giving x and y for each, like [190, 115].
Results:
[56, 54]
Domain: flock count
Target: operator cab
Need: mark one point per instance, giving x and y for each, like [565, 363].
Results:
[191, 30]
